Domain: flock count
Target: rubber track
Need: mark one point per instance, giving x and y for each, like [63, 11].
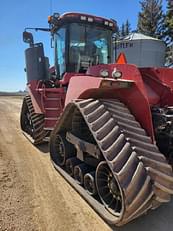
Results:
[38, 123]
[145, 178]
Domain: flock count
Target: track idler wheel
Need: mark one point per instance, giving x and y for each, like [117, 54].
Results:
[79, 172]
[108, 189]
[70, 164]
[61, 150]
[89, 183]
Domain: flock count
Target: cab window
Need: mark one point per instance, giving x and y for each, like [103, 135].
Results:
[60, 38]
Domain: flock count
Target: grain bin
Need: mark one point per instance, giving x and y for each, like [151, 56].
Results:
[142, 50]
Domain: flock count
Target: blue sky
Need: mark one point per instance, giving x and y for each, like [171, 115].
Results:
[17, 14]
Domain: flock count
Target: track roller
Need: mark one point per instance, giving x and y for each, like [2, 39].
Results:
[70, 164]
[79, 172]
[89, 183]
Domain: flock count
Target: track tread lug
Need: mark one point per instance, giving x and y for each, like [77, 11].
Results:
[37, 121]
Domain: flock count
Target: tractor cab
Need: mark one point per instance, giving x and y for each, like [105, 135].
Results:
[81, 41]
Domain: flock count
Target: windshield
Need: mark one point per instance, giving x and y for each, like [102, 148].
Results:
[89, 45]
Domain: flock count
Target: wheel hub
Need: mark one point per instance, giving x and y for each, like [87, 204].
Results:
[113, 186]
[60, 148]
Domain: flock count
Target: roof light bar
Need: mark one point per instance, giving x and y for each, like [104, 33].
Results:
[83, 18]
[90, 19]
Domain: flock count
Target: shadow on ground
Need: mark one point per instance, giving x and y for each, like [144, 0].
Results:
[160, 219]
[44, 148]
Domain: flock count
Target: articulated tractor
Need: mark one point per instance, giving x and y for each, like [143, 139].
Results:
[109, 123]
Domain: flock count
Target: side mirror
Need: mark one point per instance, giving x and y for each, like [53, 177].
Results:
[28, 38]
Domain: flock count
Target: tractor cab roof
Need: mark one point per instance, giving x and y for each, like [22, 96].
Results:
[56, 21]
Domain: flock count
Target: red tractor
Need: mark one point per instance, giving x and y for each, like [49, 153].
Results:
[110, 124]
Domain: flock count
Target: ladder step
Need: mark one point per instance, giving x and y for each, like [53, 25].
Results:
[47, 139]
[51, 118]
[53, 99]
[48, 129]
[52, 108]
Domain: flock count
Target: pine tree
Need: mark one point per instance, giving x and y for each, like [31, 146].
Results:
[123, 30]
[168, 32]
[150, 19]
[127, 28]
[169, 23]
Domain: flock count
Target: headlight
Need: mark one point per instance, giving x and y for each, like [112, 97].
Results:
[111, 24]
[116, 74]
[104, 73]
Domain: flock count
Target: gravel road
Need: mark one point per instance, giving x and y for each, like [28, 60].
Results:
[33, 196]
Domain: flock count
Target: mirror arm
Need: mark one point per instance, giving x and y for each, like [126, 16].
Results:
[38, 29]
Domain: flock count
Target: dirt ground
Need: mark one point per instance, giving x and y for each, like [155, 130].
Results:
[33, 196]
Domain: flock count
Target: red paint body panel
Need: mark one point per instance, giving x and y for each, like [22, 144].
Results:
[129, 72]
[80, 85]
[47, 101]
[149, 87]
[160, 81]
[136, 101]
[35, 97]
[66, 78]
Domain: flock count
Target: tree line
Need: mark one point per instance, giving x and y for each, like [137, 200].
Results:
[152, 21]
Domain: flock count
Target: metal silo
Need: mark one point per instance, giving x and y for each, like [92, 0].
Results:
[142, 50]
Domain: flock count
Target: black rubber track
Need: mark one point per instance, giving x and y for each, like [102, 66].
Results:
[144, 177]
[36, 134]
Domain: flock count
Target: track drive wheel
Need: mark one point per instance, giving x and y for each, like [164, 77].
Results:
[108, 189]
[32, 123]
